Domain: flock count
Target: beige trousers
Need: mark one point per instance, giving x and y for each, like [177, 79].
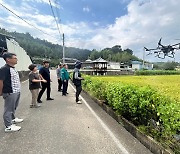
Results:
[34, 93]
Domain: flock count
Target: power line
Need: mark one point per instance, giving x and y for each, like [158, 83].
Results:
[57, 12]
[55, 18]
[25, 20]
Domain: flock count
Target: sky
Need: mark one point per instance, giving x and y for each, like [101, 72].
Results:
[98, 24]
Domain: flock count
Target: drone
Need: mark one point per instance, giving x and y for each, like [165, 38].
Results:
[163, 51]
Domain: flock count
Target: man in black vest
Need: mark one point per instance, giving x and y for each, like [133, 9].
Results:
[77, 80]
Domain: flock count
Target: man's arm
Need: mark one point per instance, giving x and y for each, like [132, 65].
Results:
[76, 76]
[57, 72]
[1, 87]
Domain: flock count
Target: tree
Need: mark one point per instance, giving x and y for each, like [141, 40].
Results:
[170, 65]
[128, 51]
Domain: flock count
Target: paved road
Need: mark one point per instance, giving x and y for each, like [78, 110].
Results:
[64, 127]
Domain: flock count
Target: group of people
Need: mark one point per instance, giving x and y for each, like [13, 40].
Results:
[63, 78]
[10, 86]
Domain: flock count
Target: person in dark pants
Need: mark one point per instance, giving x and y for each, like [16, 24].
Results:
[45, 73]
[65, 79]
[77, 80]
[58, 72]
[10, 90]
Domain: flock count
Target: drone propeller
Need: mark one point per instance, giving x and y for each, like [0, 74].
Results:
[146, 49]
[149, 49]
[175, 44]
[159, 43]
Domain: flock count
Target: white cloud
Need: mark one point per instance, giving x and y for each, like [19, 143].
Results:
[86, 9]
[44, 1]
[144, 24]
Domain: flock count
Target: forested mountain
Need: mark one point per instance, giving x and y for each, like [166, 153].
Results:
[39, 49]
[115, 54]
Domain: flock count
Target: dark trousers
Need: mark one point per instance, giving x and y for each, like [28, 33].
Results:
[78, 91]
[65, 86]
[44, 86]
[59, 84]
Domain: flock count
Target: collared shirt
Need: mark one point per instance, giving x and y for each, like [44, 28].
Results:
[10, 78]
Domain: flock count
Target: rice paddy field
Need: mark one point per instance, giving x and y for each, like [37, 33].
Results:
[167, 84]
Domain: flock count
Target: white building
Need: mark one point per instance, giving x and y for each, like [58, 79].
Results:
[113, 66]
[137, 65]
[9, 44]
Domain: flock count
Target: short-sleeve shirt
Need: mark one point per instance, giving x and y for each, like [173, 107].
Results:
[34, 85]
[10, 78]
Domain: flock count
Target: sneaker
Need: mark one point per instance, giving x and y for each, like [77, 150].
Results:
[17, 120]
[79, 102]
[32, 105]
[50, 99]
[36, 106]
[12, 128]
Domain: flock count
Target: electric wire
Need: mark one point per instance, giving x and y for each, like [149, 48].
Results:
[55, 18]
[25, 20]
[58, 15]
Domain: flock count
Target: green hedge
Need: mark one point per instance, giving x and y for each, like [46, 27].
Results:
[157, 72]
[139, 105]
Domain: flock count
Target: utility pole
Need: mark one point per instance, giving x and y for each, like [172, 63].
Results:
[63, 51]
[143, 58]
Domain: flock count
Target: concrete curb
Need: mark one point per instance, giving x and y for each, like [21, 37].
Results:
[147, 141]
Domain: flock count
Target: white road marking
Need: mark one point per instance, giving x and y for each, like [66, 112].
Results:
[118, 143]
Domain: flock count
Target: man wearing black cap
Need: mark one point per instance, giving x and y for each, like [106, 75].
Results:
[44, 71]
[77, 80]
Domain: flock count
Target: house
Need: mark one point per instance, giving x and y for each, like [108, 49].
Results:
[113, 66]
[8, 44]
[137, 65]
[88, 64]
[100, 66]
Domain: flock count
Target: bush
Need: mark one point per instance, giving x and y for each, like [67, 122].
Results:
[138, 104]
[157, 72]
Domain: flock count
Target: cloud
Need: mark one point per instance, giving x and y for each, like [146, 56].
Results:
[86, 9]
[144, 24]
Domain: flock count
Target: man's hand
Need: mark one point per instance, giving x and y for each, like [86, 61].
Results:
[1, 87]
[44, 81]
